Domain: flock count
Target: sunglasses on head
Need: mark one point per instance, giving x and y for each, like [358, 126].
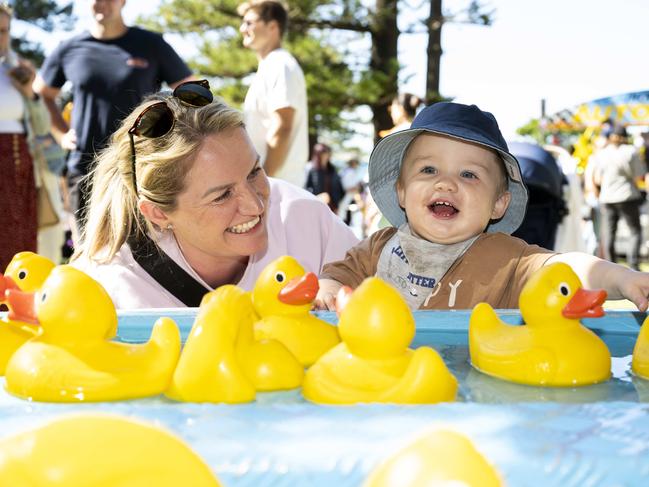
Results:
[157, 119]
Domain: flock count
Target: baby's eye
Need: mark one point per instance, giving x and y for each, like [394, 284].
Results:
[468, 175]
[428, 170]
[223, 196]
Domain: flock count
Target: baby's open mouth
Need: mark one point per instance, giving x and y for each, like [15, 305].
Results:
[443, 209]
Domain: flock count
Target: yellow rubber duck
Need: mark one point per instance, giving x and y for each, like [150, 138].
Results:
[374, 363]
[440, 458]
[102, 451]
[640, 361]
[221, 360]
[72, 360]
[553, 348]
[27, 271]
[282, 298]
[13, 333]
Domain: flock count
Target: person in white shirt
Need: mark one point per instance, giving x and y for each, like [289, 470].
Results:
[275, 107]
[180, 199]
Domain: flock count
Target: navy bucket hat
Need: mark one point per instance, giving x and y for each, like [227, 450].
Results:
[463, 122]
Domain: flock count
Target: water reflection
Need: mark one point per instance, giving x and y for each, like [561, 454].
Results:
[479, 387]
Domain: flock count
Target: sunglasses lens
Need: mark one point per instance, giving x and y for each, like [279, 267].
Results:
[155, 122]
[196, 94]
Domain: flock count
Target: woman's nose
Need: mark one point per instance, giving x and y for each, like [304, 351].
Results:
[250, 201]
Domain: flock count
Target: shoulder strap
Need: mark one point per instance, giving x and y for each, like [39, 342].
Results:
[166, 272]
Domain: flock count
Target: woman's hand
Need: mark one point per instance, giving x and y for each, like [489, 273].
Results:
[22, 77]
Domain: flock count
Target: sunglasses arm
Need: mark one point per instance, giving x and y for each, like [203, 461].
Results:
[133, 162]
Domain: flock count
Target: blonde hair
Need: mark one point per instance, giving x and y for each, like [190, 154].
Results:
[162, 165]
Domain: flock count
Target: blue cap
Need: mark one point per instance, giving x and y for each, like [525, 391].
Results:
[463, 122]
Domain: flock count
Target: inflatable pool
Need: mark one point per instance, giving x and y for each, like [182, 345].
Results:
[589, 436]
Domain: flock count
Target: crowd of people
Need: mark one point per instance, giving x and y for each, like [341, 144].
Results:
[174, 193]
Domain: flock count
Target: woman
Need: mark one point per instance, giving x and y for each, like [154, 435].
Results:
[322, 179]
[181, 205]
[402, 112]
[22, 116]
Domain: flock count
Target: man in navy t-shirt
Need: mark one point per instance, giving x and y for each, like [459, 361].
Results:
[112, 68]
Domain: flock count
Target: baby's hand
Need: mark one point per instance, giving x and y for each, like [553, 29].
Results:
[634, 286]
[326, 298]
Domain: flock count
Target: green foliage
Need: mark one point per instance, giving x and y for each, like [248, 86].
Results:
[533, 129]
[320, 32]
[47, 15]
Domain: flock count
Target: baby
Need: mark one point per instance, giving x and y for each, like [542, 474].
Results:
[454, 194]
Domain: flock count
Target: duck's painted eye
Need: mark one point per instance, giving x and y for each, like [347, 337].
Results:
[43, 297]
[22, 274]
[280, 277]
[564, 289]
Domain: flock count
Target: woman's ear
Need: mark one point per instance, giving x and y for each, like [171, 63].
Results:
[501, 205]
[153, 213]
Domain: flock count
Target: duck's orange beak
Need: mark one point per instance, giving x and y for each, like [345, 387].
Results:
[585, 304]
[342, 298]
[301, 290]
[6, 282]
[21, 306]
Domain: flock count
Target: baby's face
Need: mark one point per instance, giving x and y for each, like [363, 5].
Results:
[450, 189]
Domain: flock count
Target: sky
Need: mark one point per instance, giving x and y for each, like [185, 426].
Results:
[563, 51]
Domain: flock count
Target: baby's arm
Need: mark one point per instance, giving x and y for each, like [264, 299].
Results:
[326, 298]
[619, 282]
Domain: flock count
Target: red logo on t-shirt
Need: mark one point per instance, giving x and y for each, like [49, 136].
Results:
[138, 62]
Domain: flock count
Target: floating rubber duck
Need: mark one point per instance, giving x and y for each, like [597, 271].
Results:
[29, 270]
[13, 333]
[373, 363]
[441, 458]
[102, 451]
[72, 360]
[553, 348]
[221, 360]
[282, 298]
[640, 361]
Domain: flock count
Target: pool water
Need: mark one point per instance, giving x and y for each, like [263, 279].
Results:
[589, 436]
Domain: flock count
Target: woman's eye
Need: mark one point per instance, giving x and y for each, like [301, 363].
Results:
[254, 173]
[468, 175]
[224, 196]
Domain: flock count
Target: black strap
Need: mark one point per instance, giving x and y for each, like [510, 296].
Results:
[166, 272]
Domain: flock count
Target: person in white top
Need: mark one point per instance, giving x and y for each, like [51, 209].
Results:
[189, 193]
[23, 170]
[275, 107]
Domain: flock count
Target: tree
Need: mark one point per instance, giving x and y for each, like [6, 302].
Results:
[46, 15]
[330, 39]
[475, 12]
[321, 36]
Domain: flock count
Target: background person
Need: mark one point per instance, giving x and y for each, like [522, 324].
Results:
[402, 112]
[617, 170]
[22, 117]
[322, 179]
[195, 198]
[111, 68]
[275, 107]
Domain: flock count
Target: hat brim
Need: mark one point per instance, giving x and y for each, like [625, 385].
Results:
[385, 166]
